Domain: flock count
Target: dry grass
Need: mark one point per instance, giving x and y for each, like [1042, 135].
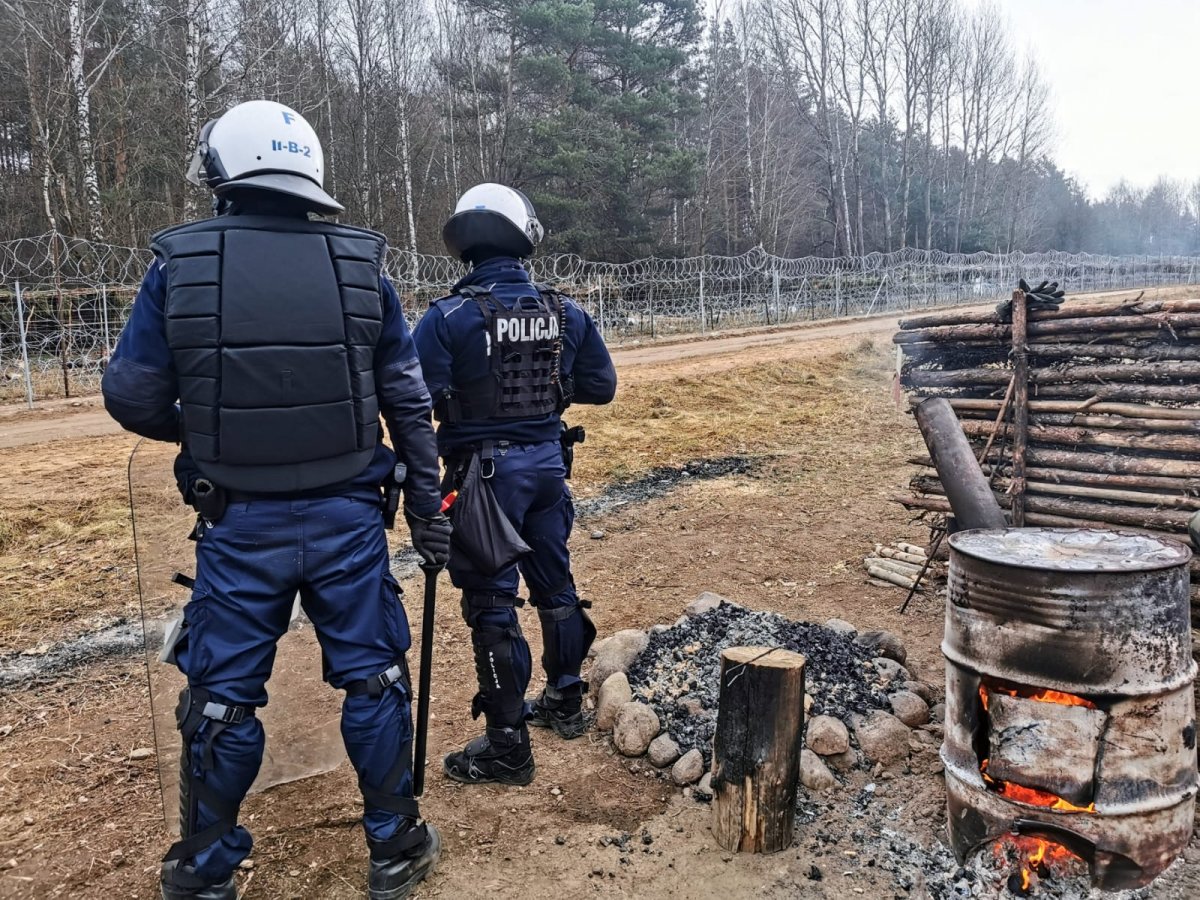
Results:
[66, 551]
[66, 554]
[775, 406]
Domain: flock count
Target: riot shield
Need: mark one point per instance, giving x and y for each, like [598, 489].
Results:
[302, 715]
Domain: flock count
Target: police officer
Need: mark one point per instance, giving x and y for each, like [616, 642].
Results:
[268, 344]
[503, 358]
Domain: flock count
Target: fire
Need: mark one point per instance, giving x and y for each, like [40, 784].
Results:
[1031, 796]
[1044, 695]
[1020, 793]
[1036, 857]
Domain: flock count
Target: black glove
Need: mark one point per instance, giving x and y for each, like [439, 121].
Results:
[430, 537]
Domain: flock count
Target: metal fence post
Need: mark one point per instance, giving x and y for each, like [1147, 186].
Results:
[775, 296]
[600, 305]
[24, 347]
[104, 320]
[702, 323]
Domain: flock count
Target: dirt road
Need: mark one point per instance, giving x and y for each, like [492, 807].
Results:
[54, 420]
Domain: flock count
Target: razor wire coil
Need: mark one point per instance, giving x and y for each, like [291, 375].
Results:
[63, 301]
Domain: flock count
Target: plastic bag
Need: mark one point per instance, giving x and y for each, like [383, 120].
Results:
[482, 532]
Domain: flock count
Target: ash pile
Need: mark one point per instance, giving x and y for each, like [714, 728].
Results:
[658, 693]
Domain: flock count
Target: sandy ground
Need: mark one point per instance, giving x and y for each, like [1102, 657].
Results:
[80, 818]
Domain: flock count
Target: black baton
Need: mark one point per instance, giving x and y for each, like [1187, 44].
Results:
[431, 574]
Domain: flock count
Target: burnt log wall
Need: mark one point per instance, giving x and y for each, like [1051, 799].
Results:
[1106, 416]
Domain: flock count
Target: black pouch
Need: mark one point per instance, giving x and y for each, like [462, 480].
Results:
[482, 532]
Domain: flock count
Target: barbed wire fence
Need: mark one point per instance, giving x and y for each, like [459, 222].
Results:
[63, 301]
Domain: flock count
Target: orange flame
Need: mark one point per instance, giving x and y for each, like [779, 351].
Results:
[1031, 796]
[1036, 856]
[1043, 695]
[1020, 793]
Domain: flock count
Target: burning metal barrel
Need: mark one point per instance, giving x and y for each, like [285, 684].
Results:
[1070, 720]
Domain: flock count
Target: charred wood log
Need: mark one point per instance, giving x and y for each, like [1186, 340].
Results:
[1160, 393]
[1074, 513]
[756, 750]
[1170, 322]
[1070, 310]
[1072, 406]
[1084, 437]
[1170, 372]
[929, 485]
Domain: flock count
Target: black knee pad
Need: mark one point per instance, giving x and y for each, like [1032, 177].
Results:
[567, 634]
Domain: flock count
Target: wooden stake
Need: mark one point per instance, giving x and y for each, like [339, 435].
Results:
[756, 751]
[1020, 429]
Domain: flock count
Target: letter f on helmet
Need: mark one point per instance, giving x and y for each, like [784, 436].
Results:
[267, 146]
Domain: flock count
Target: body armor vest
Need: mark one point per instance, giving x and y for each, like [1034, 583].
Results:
[524, 346]
[272, 323]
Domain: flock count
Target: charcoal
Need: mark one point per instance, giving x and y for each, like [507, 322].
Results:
[678, 671]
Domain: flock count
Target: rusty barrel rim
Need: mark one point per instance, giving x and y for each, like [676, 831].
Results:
[1074, 551]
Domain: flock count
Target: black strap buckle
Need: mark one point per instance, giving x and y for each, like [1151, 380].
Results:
[222, 712]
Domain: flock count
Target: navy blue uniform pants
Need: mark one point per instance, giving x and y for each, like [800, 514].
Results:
[249, 567]
[529, 483]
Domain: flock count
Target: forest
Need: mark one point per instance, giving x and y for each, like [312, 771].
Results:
[670, 128]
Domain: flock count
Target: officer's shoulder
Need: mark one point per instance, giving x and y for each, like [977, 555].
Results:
[553, 290]
[448, 304]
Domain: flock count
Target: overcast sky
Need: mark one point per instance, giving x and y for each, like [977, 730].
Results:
[1125, 77]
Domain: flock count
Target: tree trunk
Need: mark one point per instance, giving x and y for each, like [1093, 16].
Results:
[1020, 426]
[756, 750]
[81, 95]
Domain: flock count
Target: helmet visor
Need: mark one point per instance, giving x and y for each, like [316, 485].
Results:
[195, 170]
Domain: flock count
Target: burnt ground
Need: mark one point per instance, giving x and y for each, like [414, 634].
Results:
[80, 818]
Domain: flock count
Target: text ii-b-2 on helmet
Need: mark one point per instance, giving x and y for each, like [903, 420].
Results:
[265, 146]
[492, 220]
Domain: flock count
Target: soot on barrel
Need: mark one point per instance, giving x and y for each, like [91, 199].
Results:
[1069, 702]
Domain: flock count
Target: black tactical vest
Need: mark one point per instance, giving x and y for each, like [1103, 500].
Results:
[524, 346]
[273, 323]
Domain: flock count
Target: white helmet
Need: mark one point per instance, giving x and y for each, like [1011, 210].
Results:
[265, 145]
[495, 217]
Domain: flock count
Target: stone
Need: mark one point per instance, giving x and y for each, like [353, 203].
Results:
[841, 626]
[938, 712]
[636, 726]
[663, 751]
[909, 708]
[614, 693]
[884, 643]
[141, 753]
[691, 706]
[597, 535]
[703, 788]
[688, 768]
[889, 670]
[814, 774]
[659, 628]
[921, 689]
[706, 602]
[843, 762]
[882, 737]
[827, 736]
[618, 654]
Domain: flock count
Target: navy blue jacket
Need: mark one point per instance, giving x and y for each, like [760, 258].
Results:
[452, 347]
[141, 393]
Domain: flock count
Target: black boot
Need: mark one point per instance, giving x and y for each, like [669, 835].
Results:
[500, 755]
[173, 891]
[562, 712]
[395, 877]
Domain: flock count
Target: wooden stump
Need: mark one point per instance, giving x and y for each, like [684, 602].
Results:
[756, 752]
